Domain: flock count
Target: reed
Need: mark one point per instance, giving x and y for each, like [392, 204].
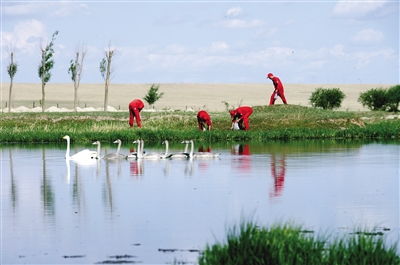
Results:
[266, 124]
[287, 244]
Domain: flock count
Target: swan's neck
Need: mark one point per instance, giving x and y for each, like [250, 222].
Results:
[191, 148]
[140, 149]
[68, 150]
[98, 150]
[166, 147]
[119, 148]
[186, 147]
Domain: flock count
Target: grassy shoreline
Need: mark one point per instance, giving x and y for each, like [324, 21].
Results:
[267, 123]
[289, 244]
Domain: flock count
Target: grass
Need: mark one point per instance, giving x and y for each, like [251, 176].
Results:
[288, 245]
[283, 122]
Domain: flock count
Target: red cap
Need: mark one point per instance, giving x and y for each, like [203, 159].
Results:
[270, 75]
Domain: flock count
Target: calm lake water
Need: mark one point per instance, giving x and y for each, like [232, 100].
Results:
[161, 212]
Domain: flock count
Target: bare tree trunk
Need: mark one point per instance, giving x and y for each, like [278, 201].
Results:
[109, 55]
[43, 76]
[9, 95]
[76, 84]
[11, 84]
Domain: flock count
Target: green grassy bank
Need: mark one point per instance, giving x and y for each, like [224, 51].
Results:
[288, 245]
[280, 122]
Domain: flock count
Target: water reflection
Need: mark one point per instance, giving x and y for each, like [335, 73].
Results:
[13, 186]
[243, 162]
[278, 171]
[47, 194]
[350, 184]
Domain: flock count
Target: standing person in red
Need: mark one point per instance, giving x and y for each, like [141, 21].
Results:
[135, 107]
[204, 120]
[278, 89]
[241, 116]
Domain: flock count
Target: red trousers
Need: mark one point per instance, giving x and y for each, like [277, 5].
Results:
[279, 93]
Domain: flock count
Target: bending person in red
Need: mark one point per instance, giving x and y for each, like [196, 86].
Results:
[278, 89]
[204, 120]
[135, 107]
[241, 116]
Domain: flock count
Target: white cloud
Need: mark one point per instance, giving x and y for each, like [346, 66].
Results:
[358, 9]
[364, 58]
[219, 46]
[26, 36]
[368, 36]
[242, 23]
[233, 12]
[55, 9]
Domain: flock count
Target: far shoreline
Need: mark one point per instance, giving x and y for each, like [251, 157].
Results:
[177, 96]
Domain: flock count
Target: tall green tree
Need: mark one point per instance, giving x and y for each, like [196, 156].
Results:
[12, 70]
[75, 71]
[153, 95]
[46, 64]
[105, 70]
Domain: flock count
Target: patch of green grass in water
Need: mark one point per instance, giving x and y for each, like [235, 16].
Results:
[287, 245]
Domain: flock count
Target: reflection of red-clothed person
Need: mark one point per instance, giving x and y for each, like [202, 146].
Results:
[135, 107]
[278, 171]
[241, 115]
[204, 120]
[278, 89]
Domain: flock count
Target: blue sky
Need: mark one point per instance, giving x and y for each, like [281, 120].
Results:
[208, 41]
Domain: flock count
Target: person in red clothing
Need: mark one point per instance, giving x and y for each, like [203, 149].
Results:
[204, 120]
[135, 107]
[241, 116]
[278, 89]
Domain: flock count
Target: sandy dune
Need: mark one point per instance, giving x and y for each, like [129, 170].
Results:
[176, 96]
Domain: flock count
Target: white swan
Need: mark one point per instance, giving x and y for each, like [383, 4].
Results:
[116, 155]
[97, 153]
[138, 153]
[149, 156]
[165, 154]
[201, 155]
[183, 155]
[82, 155]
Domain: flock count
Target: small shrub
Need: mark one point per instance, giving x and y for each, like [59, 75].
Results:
[327, 98]
[374, 99]
[153, 95]
[393, 97]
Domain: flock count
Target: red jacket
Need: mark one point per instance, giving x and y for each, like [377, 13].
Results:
[277, 84]
[204, 117]
[135, 107]
[244, 111]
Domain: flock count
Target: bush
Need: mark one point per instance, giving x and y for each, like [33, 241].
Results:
[393, 97]
[327, 98]
[374, 99]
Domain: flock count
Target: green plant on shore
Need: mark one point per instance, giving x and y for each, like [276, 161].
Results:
[153, 95]
[288, 244]
[327, 98]
[381, 99]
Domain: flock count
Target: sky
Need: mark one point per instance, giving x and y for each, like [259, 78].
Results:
[207, 41]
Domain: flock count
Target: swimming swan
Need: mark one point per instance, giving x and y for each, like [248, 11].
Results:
[165, 154]
[183, 155]
[149, 156]
[82, 155]
[138, 153]
[115, 155]
[201, 155]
